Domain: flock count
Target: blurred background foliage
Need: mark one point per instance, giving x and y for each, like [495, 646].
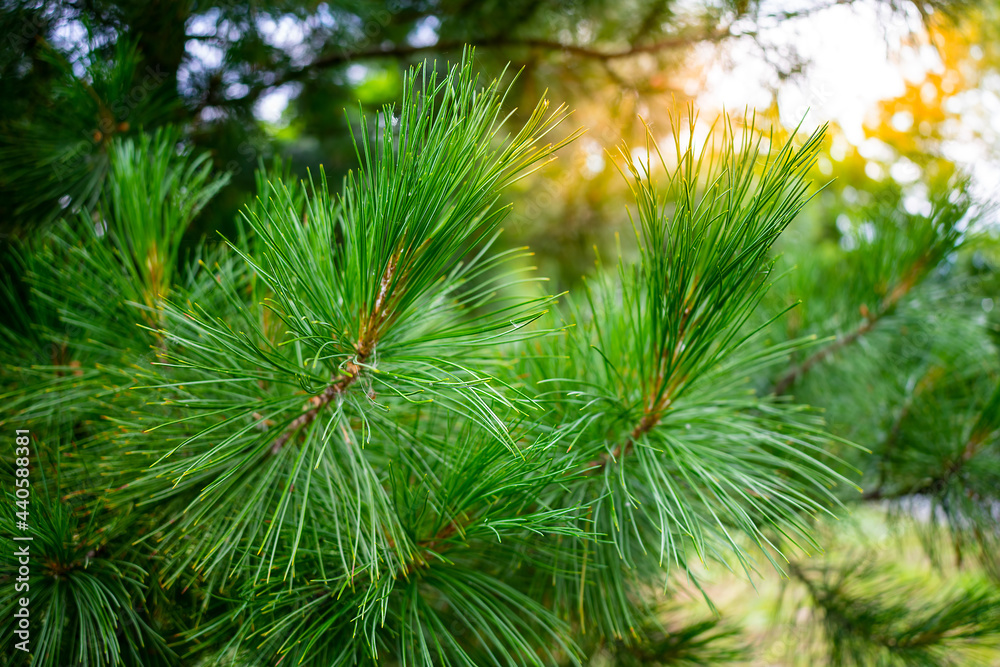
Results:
[895, 260]
[252, 80]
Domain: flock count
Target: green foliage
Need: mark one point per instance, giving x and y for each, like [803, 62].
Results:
[654, 372]
[87, 589]
[872, 615]
[153, 194]
[663, 640]
[58, 159]
[87, 278]
[359, 432]
[904, 366]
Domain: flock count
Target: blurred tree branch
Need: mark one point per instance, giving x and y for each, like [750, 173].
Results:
[337, 59]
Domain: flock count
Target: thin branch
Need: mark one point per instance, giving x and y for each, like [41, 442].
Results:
[887, 307]
[344, 56]
[369, 332]
[645, 425]
[503, 41]
[972, 445]
[792, 376]
[318, 403]
[928, 378]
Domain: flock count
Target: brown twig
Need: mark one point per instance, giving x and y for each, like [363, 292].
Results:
[318, 403]
[505, 41]
[886, 307]
[645, 425]
[654, 411]
[369, 332]
[970, 449]
[650, 418]
[344, 56]
[446, 531]
[792, 376]
[429, 546]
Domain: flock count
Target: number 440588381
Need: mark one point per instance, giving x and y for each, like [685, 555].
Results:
[22, 451]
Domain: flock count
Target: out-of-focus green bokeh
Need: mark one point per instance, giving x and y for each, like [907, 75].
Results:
[253, 80]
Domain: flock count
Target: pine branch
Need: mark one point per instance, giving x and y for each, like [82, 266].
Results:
[897, 249]
[374, 292]
[660, 352]
[681, 281]
[985, 426]
[892, 439]
[87, 587]
[369, 328]
[57, 162]
[917, 271]
[315, 405]
[871, 614]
